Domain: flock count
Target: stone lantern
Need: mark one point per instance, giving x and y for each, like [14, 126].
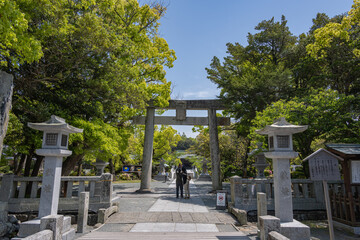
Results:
[281, 151]
[100, 166]
[260, 160]
[54, 148]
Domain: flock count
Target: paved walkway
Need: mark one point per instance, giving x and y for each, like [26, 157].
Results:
[159, 215]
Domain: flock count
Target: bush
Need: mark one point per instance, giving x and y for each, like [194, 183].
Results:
[125, 176]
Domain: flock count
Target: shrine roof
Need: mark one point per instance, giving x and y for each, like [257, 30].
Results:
[344, 148]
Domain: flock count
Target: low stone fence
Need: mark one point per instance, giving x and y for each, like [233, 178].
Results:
[307, 194]
[23, 193]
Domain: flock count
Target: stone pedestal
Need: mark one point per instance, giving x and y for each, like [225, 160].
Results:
[50, 190]
[282, 190]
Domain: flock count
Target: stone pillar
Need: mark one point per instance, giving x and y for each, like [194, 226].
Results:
[50, 189]
[148, 150]
[7, 190]
[83, 212]
[6, 90]
[214, 150]
[235, 188]
[261, 205]
[106, 188]
[282, 190]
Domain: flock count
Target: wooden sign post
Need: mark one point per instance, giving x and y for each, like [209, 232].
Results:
[324, 166]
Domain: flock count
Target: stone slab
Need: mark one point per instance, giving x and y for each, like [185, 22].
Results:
[354, 230]
[295, 230]
[42, 235]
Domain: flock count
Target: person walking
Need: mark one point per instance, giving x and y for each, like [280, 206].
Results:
[187, 187]
[179, 181]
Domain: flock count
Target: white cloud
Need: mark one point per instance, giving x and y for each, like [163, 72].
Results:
[208, 94]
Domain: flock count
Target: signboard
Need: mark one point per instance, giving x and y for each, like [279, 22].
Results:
[221, 200]
[323, 166]
[131, 168]
[355, 172]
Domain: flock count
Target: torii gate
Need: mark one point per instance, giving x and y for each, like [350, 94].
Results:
[181, 119]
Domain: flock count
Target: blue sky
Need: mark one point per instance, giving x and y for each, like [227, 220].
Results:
[198, 30]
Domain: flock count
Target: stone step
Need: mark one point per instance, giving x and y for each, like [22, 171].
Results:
[163, 235]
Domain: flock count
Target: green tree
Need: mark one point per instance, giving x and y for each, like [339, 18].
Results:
[337, 47]
[324, 111]
[252, 77]
[102, 62]
[17, 44]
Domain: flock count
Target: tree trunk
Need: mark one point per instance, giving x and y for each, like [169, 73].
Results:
[6, 90]
[111, 166]
[70, 163]
[21, 164]
[35, 171]
[245, 163]
[79, 170]
[28, 165]
[15, 163]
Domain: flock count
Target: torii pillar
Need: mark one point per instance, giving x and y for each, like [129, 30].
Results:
[181, 119]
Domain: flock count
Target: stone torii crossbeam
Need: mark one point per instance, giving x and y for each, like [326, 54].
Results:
[181, 119]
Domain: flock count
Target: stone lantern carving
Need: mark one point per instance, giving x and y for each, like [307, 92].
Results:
[281, 151]
[54, 148]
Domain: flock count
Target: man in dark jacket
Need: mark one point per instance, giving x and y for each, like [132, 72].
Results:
[179, 180]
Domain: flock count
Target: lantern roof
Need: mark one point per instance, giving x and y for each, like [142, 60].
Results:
[281, 126]
[55, 123]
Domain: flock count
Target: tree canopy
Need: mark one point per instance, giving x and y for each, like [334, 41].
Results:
[101, 63]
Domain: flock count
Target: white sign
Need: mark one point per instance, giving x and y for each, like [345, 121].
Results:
[221, 199]
[355, 172]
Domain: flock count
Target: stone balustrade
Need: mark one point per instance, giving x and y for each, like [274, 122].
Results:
[307, 194]
[23, 193]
